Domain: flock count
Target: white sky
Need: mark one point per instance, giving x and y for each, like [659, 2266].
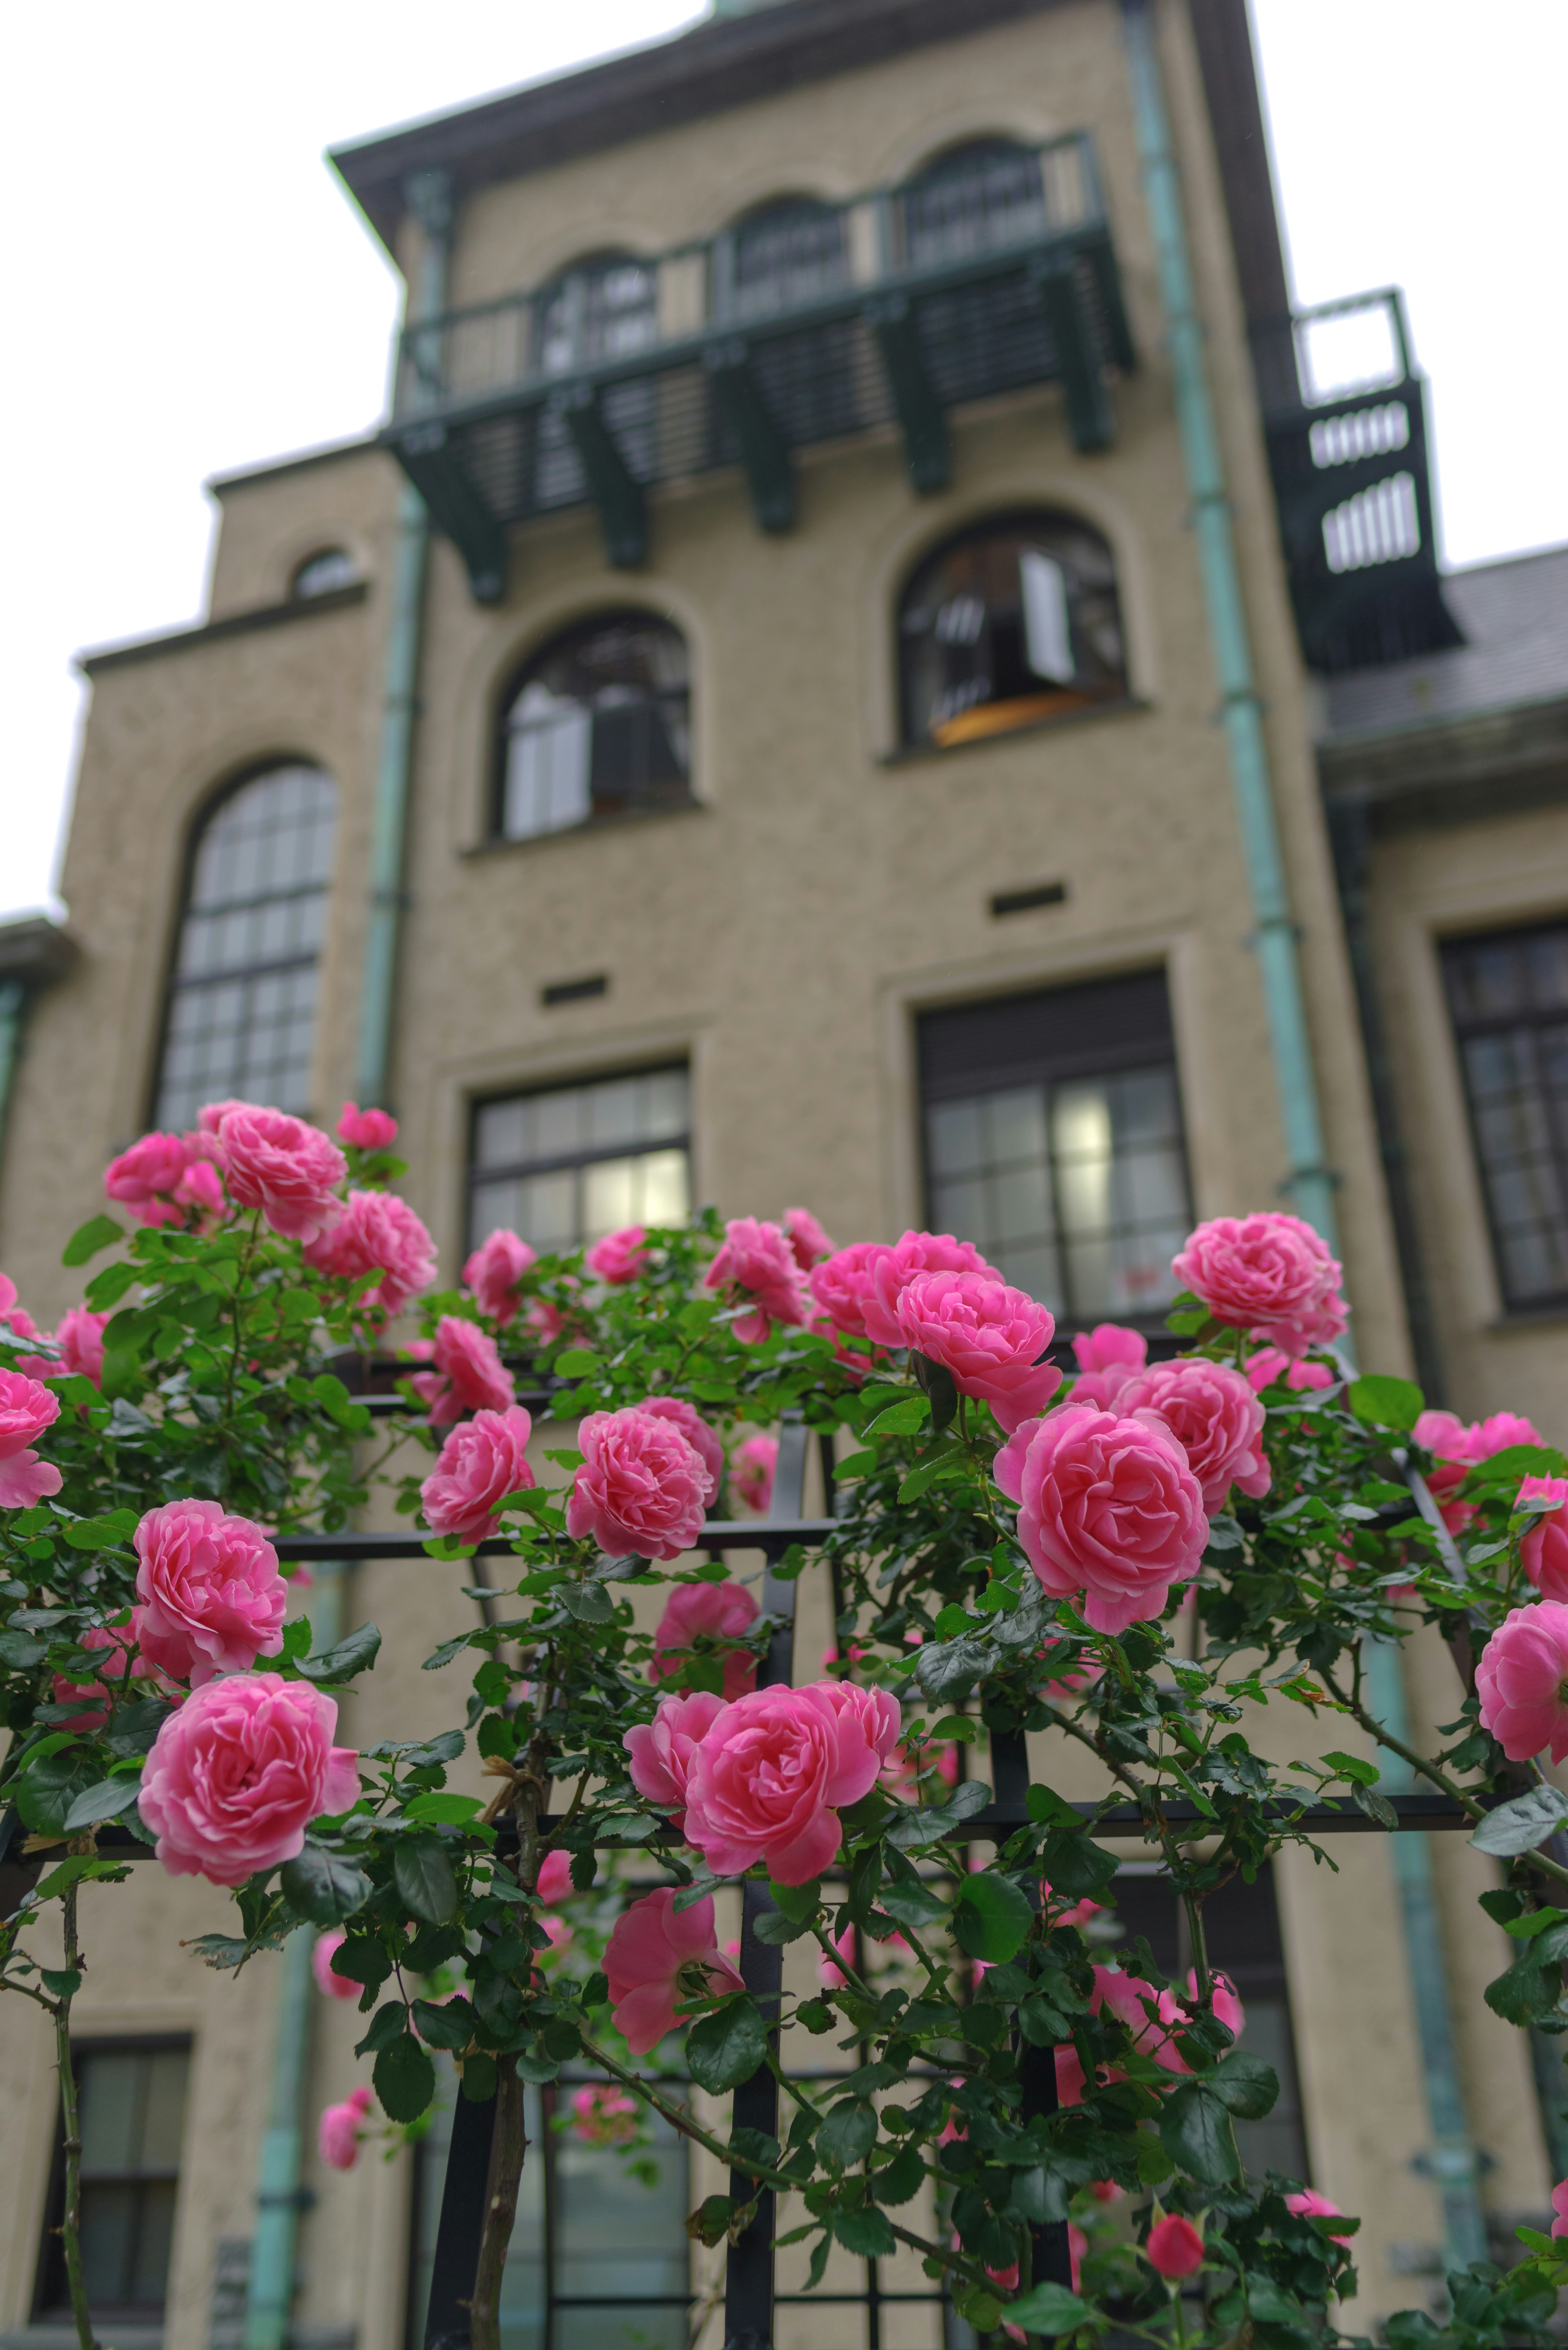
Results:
[190, 291]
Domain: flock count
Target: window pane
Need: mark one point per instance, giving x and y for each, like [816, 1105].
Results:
[109, 2213]
[583, 1159]
[132, 2107]
[1506, 995]
[784, 254]
[618, 2238]
[110, 2100]
[598, 725]
[163, 2114]
[981, 195]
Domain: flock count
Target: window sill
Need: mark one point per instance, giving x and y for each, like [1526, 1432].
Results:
[500, 845]
[912, 754]
[59, 2334]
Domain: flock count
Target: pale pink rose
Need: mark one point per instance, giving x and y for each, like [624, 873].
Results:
[145, 1177]
[483, 1461]
[117, 1641]
[213, 1600]
[79, 1344]
[768, 1779]
[757, 1266]
[1108, 1507]
[493, 1272]
[1560, 2205]
[619, 1257]
[1543, 1551]
[328, 1980]
[893, 1269]
[991, 1338]
[702, 1439]
[1213, 1414]
[1174, 2247]
[640, 1490]
[1269, 1364]
[842, 1286]
[806, 1238]
[660, 1751]
[282, 1167]
[211, 1115]
[751, 1474]
[1310, 2205]
[26, 1409]
[657, 1960]
[1107, 1356]
[555, 1878]
[1268, 1274]
[722, 1609]
[1459, 1448]
[366, 1130]
[603, 2114]
[377, 1232]
[468, 1374]
[337, 2132]
[239, 1772]
[1520, 1683]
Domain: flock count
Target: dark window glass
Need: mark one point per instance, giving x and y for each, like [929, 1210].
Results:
[605, 308]
[574, 1162]
[1016, 620]
[1509, 997]
[1054, 1142]
[598, 725]
[132, 2107]
[242, 1001]
[320, 575]
[984, 193]
[783, 254]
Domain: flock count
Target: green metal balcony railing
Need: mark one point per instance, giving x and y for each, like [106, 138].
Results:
[806, 324]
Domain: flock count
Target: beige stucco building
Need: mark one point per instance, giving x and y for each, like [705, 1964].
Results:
[895, 707]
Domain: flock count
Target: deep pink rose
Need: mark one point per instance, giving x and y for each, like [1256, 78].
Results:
[366, 1130]
[328, 1979]
[481, 1462]
[1520, 1680]
[239, 1772]
[1108, 1507]
[80, 1341]
[282, 1167]
[1543, 1551]
[991, 1337]
[842, 1286]
[1269, 1364]
[1310, 2205]
[658, 1959]
[1213, 1414]
[639, 1491]
[893, 1269]
[493, 1272]
[1270, 1274]
[337, 2132]
[1459, 1448]
[211, 1115]
[1107, 1356]
[660, 1751]
[619, 1257]
[702, 1439]
[469, 1375]
[117, 1641]
[1174, 2247]
[26, 1409]
[211, 1597]
[769, 1778]
[755, 1464]
[722, 1609]
[757, 1266]
[377, 1232]
[806, 1238]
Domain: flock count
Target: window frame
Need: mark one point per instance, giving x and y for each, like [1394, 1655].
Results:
[475, 1176]
[514, 683]
[118, 2313]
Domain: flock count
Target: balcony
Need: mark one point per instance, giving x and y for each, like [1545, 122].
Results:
[803, 324]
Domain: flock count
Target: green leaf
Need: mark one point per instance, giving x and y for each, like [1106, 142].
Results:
[362, 1959]
[449, 2024]
[725, 2047]
[404, 2078]
[1044, 1803]
[576, 1362]
[424, 1876]
[107, 1288]
[20, 1652]
[386, 2024]
[98, 1233]
[799, 1902]
[904, 1896]
[912, 1830]
[324, 1886]
[446, 1748]
[1525, 1930]
[1351, 1766]
[442, 1809]
[1049, 2309]
[848, 2135]
[1375, 1807]
[866, 2233]
[590, 1602]
[479, 2077]
[902, 2179]
[901, 1418]
[104, 1802]
[1519, 1825]
[1383, 1402]
[1526, 1991]
[992, 1918]
[1244, 2086]
[1195, 2132]
[1076, 1866]
[44, 1793]
[346, 1658]
[939, 1387]
[954, 1463]
[774, 1928]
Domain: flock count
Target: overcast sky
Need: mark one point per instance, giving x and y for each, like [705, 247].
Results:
[191, 291]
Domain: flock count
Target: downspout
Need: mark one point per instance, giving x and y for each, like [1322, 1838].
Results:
[1308, 1181]
[13, 1000]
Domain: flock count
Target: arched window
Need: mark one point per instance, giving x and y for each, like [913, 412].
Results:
[323, 573]
[1015, 620]
[781, 256]
[604, 307]
[598, 725]
[986, 193]
[241, 999]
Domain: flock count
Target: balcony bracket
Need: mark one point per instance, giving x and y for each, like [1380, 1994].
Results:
[1090, 418]
[612, 485]
[764, 452]
[919, 409]
[428, 457]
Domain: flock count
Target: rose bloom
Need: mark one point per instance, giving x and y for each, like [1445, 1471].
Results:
[366, 1130]
[213, 1600]
[481, 1462]
[1270, 1274]
[377, 1231]
[328, 1979]
[145, 1177]
[640, 1490]
[875, 1711]
[894, 1268]
[660, 1751]
[702, 1439]
[1174, 2247]
[1214, 1416]
[1457, 1450]
[555, 1878]
[991, 1338]
[657, 1959]
[1108, 1507]
[118, 1641]
[806, 1238]
[337, 2132]
[757, 1263]
[619, 1257]
[842, 1286]
[14, 1317]
[80, 1341]
[469, 1375]
[211, 1115]
[1310, 2205]
[603, 2114]
[1072, 1913]
[1107, 1356]
[756, 1459]
[239, 1772]
[768, 1780]
[26, 1409]
[1560, 2205]
[1520, 1680]
[283, 1167]
[722, 1609]
[493, 1272]
[1543, 1550]
[1268, 1364]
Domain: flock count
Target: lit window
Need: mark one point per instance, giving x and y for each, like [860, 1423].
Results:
[574, 1162]
[1509, 997]
[985, 194]
[242, 1001]
[783, 254]
[324, 574]
[598, 726]
[1053, 1135]
[1013, 622]
[132, 2108]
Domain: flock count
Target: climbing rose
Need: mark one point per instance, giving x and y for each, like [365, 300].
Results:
[118, 1640]
[657, 1959]
[756, 1459]
[555, 1878]
[337, 2132]
[483, 1461]
[769, 1778]
[26, 1409]
[213, 1600]
[619, 1257]
[1213, 1414]
[145, 1177]
[1543, 1550]
[1175, 2248]
[15, 1319]
[1107, 1356]
[377, 1232]
[493, 1272]
[722, 1609]
[604, 2115]
[894, 1269]
[469, 1375]
[1519, 1681]
[211, 1115]
[660, 1751]
[874, 1712]
[366, 1130]
[758, 1264]
[1560, 2205]
[695, 1430]
[842, 1286]
[328, 1979]
[1268, 1364]
[80, 1341]
[640, 1488]
[806, 1238]
[239, 1772]
[1457, 1450]
[1268, 1274]
[285, 1167]
[1108, 1507]
[1310, 2205]
[991, 1337]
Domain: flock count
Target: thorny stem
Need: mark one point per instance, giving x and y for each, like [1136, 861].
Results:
[71, 2220]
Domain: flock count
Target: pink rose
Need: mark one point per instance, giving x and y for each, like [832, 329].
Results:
[211, 1597]
[481, 1462]
[1212, 1412]
[769, 1778]
[1107, 1356]
[201, 1189]
[720, 1609]
[1225, 1999]
[555, 1878]
[660, 1751]
[603, 2114]
[26, 1409]
[1459, 1449]
[377, 1232]
[1560, 2205]
[1310, 2205]
[991, 1337]
[893, 1269]
[695, 1430]
[469, 1375]
[874, 1711]
[337, 2132]
[1108, 1507]
[657, 1960]
[211, 1115]
[80, 1341]
[842, 1286]
[98, 1693]
[1268, 1274]
[806, 1238]
[1519, 1681]
[328, 1979]
[619, 1257]
[1174, 2247]
[366, 1130]
[493, 1272]
[236, 1775]
[285, 1167]
[145, 1177]
[1543, 1551]
[1071, 1913]
[1269, 1364]
[756, 1459]
[639, 1491]
[13, 1316]
[757, 1264]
